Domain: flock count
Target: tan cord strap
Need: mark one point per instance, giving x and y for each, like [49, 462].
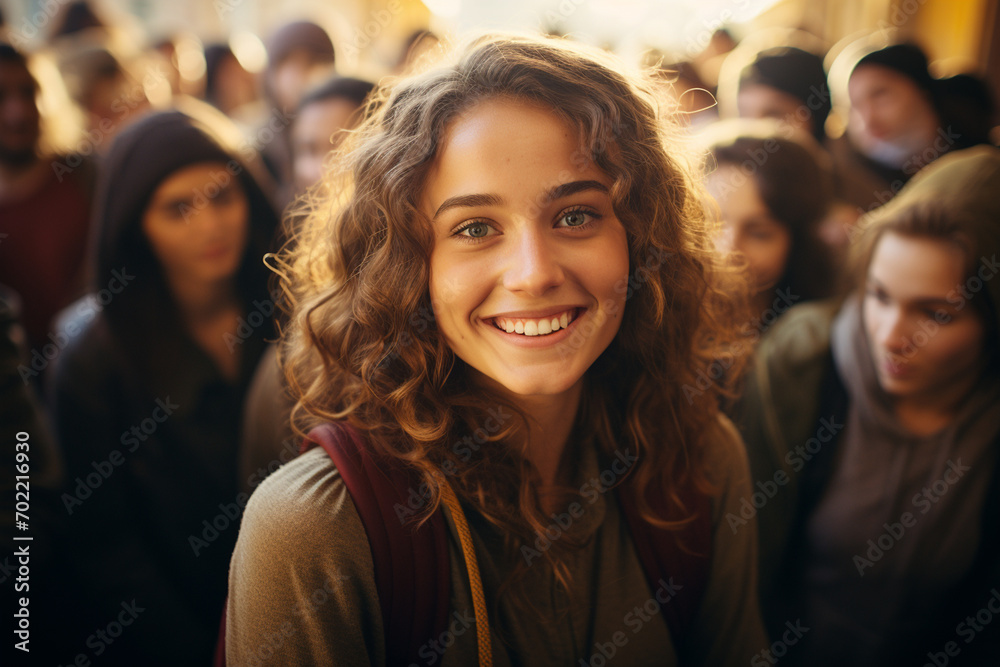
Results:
[478, 599]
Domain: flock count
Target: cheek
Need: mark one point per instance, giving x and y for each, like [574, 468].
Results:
[767, 258]
[955, 347]
[169, 243]
[452, 289]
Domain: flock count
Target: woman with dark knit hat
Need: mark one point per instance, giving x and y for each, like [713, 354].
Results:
[902, 118]
[787, 84]
[148, 390]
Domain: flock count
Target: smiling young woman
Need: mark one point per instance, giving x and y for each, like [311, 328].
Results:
[515, 287]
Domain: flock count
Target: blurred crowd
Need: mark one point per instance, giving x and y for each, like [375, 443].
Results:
[137, 311]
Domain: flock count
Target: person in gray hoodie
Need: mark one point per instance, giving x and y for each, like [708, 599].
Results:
[873, 437]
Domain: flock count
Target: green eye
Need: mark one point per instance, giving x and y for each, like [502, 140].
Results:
[477, 230]
[575, 218]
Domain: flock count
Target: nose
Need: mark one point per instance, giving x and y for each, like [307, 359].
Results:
[209, 220]
[725, 239]
[893, 331]
[533, 266]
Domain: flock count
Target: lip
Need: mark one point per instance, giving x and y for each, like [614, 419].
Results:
[536, 314]
[895, 369]
[217, 252]
[536, 341]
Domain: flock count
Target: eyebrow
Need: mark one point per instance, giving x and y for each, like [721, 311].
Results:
[558, 192]
[919, 301]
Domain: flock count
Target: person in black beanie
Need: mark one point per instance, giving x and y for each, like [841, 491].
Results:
[148, 390]
[903, 118]
[789, 84]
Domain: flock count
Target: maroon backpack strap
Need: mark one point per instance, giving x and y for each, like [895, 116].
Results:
[412, 566]
[675, 562]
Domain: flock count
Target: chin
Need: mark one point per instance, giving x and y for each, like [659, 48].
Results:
[532, 384]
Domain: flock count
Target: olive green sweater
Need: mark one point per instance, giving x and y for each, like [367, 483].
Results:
[302, 590]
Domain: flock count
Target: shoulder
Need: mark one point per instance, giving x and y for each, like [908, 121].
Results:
[85, 347]
[782, 387]
[305, 497]
[302, 519]
[800, 337]
[723, 446]
[302, 569]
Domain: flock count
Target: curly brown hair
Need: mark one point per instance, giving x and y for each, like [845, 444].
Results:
[362, 344]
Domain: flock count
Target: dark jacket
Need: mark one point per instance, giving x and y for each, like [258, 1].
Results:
[793, 409]
[148, 425]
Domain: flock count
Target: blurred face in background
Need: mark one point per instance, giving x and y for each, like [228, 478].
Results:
[19, 118]
[318, 129]
[757, 100]
[290, 78]
[892, 118]
[748, 227]
[927, 343]
[197, 224]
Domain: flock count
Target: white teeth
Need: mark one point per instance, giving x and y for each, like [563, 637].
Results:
[539, 327]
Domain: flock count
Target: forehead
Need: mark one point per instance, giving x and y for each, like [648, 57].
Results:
[194, 177]
[869, 77]
[916, 266]
[508, 145]
[318, 116]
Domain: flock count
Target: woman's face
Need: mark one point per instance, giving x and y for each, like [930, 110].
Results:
[756, 100]
[748, 228]
[196, 223]
[892, 119]
[529, 268]
[926, 340]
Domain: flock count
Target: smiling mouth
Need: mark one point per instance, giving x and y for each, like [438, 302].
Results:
[543, 326]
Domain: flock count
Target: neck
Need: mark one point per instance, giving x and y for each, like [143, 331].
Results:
[18, 178]
[763, 301]
[199, 302]
[926, 415]
[550, 420]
